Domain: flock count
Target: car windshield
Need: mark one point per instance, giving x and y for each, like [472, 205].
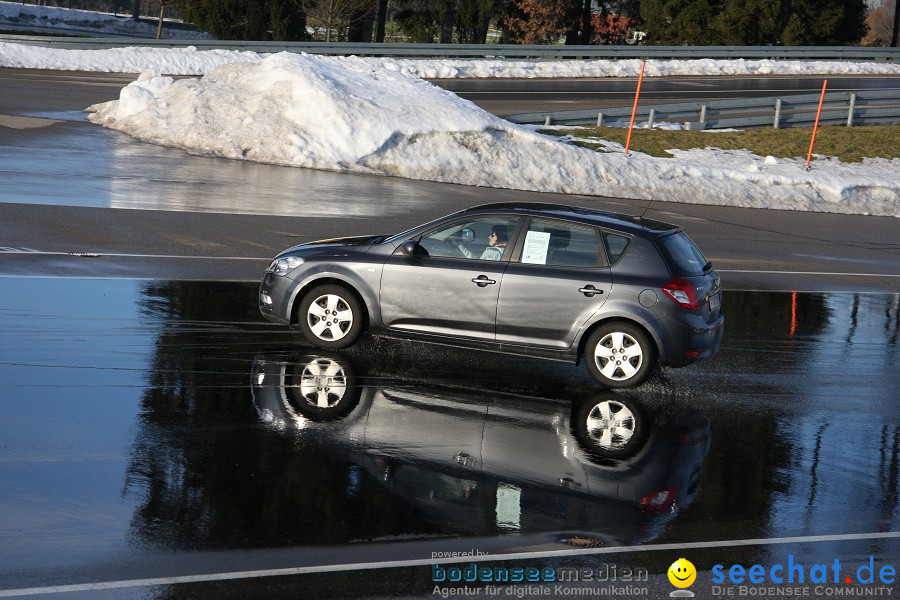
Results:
[405, 235]
[683, 256]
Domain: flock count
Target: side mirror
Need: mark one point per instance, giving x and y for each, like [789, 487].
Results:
[409, 248]
[468, 235]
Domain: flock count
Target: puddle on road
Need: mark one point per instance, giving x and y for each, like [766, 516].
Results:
[145, 416]
[59, 115]
[36, 171]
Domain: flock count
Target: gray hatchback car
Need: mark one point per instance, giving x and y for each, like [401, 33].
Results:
[626, 294]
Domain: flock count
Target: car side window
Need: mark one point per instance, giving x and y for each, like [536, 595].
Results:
[615, 246]
[561, 244]
[484, 238]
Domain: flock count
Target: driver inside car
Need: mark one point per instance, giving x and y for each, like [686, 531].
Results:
[497, 241]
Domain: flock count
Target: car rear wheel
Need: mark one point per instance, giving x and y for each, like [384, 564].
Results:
[619, 355]
[330, 316]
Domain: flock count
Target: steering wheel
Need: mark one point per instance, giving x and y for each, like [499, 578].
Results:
[452, 249]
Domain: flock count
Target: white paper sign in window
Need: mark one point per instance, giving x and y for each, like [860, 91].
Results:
[535, 250]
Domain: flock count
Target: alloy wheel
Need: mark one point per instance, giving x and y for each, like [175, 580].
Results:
[329, 317]
[618, 356]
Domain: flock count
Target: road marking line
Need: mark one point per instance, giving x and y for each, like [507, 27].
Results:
[81, 254]
[149, 278]
[392, 564]
[807, 273]
[14, 250]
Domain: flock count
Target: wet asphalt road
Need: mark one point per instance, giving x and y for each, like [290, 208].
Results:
[153, 443]
[154, 429]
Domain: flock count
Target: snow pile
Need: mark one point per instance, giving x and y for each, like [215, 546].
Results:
[27, 15]
[347, 115]
[190, 61]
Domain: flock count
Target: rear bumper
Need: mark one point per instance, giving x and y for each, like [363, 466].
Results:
[694, 340]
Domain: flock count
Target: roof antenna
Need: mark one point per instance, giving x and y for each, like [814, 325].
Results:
[646, 208]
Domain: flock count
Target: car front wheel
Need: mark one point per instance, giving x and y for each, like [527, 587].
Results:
[611, 426]
[330, 316]
[619, 355]
[322, 387]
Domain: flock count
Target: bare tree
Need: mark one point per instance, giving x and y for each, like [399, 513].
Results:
[336, 16]
[880, 23]
[537, 21]
[163, 5]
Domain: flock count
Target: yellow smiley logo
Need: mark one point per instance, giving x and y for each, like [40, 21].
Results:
[682, 573]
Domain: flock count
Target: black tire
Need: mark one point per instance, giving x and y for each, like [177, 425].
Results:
[620, 355]
[611, 426]
[326, 302]
[322, 387]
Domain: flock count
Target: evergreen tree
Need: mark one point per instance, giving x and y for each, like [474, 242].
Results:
[748, 23]
[824, 22]
[754, 22]
[473, 18]
[680, 22]
[286, 23]
[419, 21]
[248, 19]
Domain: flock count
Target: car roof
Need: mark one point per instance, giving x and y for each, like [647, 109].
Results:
[626, 223]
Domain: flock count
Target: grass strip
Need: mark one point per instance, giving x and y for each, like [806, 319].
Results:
[848, 144]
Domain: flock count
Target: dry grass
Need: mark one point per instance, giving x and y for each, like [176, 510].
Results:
[849, 144]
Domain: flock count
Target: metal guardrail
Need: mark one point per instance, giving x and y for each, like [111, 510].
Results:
[865, 107]
[496, 51]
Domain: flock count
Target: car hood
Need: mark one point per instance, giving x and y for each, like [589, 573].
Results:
[359, 243]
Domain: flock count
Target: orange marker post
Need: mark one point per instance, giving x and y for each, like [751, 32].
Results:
[637, 95]
[816, 125]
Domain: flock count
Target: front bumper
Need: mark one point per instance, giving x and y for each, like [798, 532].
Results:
[274, 298]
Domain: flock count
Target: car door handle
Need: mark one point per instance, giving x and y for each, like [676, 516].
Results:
[465, 459]
[569, 483]
[482, 281]
[590, 291]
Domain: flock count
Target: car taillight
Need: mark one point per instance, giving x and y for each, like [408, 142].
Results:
[682, 293]
[660, 501]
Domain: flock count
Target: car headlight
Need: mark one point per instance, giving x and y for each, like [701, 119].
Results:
[283, 266]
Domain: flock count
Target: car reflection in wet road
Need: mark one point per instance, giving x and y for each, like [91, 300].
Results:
[159, 428]
[476, 464]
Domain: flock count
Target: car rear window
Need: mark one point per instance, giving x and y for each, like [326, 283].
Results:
[683, 256]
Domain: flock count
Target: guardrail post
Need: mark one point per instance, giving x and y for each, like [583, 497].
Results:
[777, 123]
[548, 120]
[650, 118]
[599, 119]
[852, 108]
[702, 117]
